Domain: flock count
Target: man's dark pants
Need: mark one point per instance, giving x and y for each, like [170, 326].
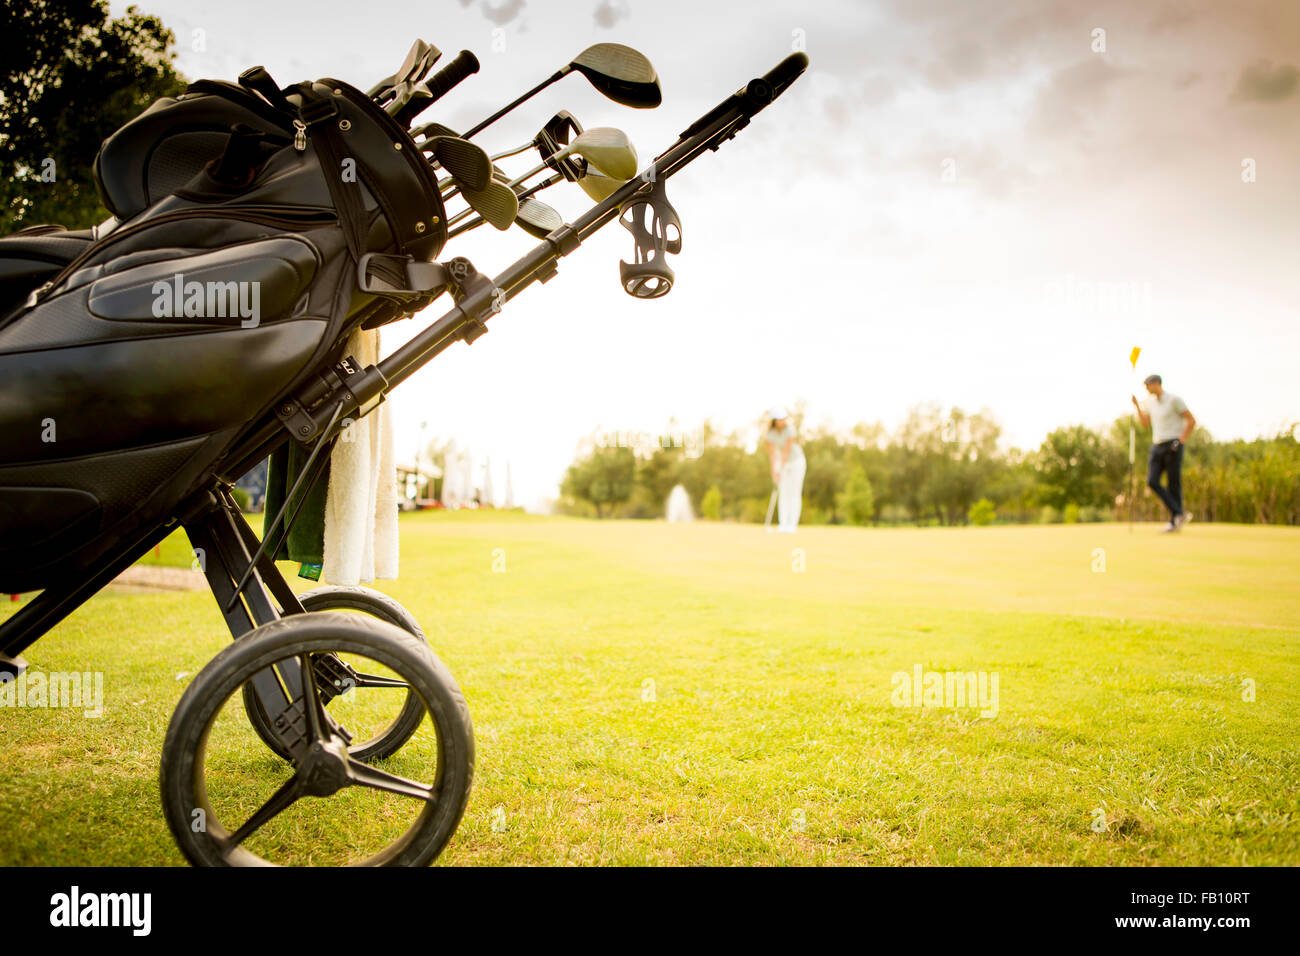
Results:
[1165, 458]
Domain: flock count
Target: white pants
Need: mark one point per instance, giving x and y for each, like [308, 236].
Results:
[790, 488]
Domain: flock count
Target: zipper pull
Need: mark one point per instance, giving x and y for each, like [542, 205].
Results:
[299, 135]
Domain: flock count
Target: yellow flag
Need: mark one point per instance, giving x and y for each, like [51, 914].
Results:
[1133, 356]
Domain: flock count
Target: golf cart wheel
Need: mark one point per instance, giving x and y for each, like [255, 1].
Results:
[227, 806]
[406, 718]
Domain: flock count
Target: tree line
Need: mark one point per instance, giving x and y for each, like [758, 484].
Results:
[939, 467]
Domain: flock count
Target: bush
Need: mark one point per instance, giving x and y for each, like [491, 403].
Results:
[241, 498]
[1090, 514]
[1071, 515]
[982, 513]
[1048, 515]
[857, 502]
[711, 506]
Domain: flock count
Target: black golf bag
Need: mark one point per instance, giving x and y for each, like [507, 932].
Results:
[131, 358]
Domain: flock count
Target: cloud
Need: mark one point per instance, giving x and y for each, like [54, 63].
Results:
[1074, 95]
[1171, 16]
[500, 14]
[1261, 82]
[964, 62]
[609, 12]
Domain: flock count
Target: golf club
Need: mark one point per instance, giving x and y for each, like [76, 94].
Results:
[538, 219]
[495, 202]
[419, 60]
[555, 134]
[616, 71]
[605, 147]
[771, 504]
[535, 218]
[594, 183]
[467, 164]
[597, 185]
[410, 102]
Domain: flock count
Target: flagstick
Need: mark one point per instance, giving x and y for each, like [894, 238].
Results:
[1132, 437]
[1132, 448]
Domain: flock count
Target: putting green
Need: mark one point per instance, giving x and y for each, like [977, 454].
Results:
[708, 693]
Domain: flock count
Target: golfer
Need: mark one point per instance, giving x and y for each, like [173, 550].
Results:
[788, 467]
[1171, 424]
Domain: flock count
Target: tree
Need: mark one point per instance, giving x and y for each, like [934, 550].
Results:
[603, 479]
[711, 506]
[70, 77]
[856, 503]
[1071, 466]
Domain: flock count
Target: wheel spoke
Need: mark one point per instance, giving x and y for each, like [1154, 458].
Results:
[315, 711]
[362, 775]
[280, 801]
[374, 680]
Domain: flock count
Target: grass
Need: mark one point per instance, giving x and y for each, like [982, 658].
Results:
[706, 694]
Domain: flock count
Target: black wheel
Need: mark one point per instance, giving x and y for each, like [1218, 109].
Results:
[400, 715]
[227, 805]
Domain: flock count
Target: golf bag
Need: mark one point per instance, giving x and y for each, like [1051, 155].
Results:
[132, 357]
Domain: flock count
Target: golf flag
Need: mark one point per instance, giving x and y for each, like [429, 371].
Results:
[1133, 356]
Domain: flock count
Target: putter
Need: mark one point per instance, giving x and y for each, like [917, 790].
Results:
[616, 71]
[771, 504]
[555, 134]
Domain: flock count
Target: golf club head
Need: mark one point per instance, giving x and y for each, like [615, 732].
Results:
[466, 163]
[557, 133]
[496, 203]
[620, 73]
[419, 60]
[538, 219]
[434, 129]
[597, 185]
[607, 148]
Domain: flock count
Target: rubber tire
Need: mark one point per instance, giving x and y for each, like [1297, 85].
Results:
[376, 604]
[181, 773]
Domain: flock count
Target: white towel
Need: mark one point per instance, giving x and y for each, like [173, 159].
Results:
[361, 501]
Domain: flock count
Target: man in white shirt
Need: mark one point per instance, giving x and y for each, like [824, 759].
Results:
[1171, 424]
[788, 467]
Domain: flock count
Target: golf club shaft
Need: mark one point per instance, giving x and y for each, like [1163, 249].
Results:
[531, 191]
[554, 78]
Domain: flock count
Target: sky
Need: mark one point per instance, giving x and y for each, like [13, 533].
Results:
[980, 204]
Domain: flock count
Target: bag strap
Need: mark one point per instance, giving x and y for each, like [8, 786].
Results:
[317, 114]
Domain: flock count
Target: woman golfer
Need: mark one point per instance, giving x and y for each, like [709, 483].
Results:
[788, 467]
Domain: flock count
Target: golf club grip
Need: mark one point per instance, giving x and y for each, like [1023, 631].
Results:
[465, 65]
[785, 73]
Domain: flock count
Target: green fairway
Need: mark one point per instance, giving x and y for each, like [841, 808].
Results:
[710, 694]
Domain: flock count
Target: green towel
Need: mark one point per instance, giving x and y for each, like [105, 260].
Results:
[306, 541]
